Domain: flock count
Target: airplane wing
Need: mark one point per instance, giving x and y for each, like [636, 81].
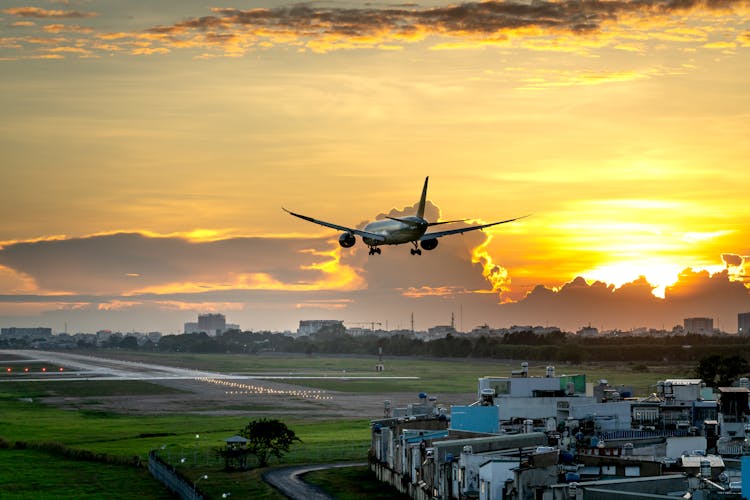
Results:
[440, 234]
[359, 232]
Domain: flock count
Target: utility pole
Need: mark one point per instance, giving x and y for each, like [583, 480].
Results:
[412, 322]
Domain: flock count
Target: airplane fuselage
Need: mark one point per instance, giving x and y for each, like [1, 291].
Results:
[396, 232]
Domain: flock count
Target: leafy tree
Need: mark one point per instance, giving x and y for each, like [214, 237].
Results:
[268, 437]
[721, 371]
[129, 342]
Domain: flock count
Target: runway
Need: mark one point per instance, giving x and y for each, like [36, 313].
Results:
[82, 367]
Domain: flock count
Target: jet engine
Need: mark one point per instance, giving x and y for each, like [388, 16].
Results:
[430, 244]
[347, 240]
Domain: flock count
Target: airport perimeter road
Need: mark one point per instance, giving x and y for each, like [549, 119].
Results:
[288, 480]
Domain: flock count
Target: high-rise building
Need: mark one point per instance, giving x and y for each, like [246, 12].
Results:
[211, 324]
[743, 323]
[700, 326]
[310, 326]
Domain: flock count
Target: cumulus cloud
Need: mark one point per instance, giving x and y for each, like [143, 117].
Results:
[578, 303]
[113, 272]
[132, 262]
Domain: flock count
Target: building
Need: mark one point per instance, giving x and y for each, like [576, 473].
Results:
[311, 326]
[26, 333]
[700, 326]
[211, 324]
[743, 323]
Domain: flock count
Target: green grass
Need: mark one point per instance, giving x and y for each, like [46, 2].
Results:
[241, 484]
[435, 376]
[353, 483]
[82, 388]
[129, 436]
[33, 474]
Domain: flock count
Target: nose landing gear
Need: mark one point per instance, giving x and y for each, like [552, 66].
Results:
[416, 250]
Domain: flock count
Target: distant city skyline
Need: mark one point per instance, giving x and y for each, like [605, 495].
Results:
[147, 151]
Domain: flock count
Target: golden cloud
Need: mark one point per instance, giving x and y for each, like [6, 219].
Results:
[36, 12]
[543, 25]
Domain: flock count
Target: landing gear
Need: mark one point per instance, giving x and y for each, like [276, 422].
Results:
[374, 250]
[416, 250]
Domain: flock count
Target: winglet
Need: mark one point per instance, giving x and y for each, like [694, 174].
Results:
[423, 199]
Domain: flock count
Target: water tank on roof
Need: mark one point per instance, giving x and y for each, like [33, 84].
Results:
[422, 395]
[705, 468]
[550, 371]
[668, 390]
[468, 449]
[528, 426]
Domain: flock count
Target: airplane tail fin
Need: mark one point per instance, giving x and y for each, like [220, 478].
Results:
[423, 199]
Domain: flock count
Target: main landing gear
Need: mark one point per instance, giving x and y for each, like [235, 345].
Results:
[374, 250]
[416, 250]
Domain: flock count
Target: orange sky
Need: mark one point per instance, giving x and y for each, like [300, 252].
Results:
[621, 126]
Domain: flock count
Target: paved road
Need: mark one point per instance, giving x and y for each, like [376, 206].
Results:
[289, 480]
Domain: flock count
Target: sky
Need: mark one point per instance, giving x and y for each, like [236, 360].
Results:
[146, 150]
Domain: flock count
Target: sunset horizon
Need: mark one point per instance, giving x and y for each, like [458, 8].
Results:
[147, 151]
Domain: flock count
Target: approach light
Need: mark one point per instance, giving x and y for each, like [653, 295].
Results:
[44, 369]
[9, 370]
[61, 369]
[26, 370]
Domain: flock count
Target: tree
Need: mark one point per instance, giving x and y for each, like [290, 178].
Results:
[268, 437]
[721, 371]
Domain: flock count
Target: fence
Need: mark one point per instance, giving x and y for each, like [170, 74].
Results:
[173, 480]
[619, 435]
[207, 457]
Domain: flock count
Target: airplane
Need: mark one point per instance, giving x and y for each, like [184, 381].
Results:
[399, 230]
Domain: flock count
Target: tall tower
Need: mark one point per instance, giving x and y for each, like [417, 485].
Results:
[743, 323]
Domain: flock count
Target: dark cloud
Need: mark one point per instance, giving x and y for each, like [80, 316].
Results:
[472, 18]
[122, 281]
[576, 304]
[124, 262]
[127, 271]
[731, 259]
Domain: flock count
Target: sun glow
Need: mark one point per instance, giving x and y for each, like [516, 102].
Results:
[495, 274]
[659, 273]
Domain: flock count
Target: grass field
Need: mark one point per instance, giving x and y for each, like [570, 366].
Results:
[435, 376]
[33, 475]
[23, 418]
[353, 483]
